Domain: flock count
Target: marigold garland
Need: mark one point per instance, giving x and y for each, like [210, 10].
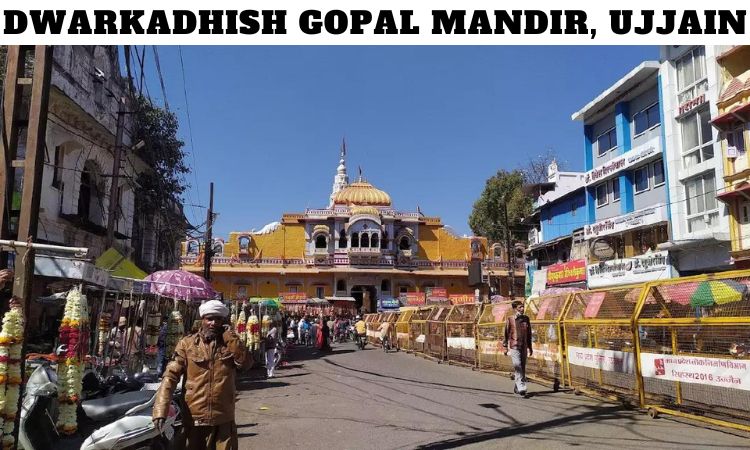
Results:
[103, 328]
[11, 342]
[74, 336]
[175, 331]
[253, 332]
[242, 324]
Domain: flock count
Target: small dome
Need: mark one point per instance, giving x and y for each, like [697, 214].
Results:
[365, 210]
[362, 193]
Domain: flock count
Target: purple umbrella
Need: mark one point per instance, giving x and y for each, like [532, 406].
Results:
[180, 285]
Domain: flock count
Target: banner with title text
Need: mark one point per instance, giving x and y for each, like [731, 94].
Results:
[363, 22]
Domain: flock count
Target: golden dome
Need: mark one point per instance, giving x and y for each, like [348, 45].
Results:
[365, 210]
[362, 193]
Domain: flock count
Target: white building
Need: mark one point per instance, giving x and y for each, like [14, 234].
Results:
[699, 238]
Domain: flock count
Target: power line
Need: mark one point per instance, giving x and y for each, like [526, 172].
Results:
[161, 78]
[193, 150]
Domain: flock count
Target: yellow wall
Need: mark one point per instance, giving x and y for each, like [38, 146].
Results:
[294, 241]
[435, 241]
[429, 243]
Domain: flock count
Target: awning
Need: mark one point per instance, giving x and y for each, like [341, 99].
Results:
[742, 191]
[117, 265]
[741, 114]
[341, 299]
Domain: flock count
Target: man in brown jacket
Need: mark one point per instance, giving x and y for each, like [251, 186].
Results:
[517, 342]
[209, 361]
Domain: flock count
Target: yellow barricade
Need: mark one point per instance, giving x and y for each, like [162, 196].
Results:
[372, 321]
[418, 330]
[694, 348]
[548, 361]
[402, 329]
[600, 342]
[460, 330]
[436, 332]
[389, 317]
[490, 330]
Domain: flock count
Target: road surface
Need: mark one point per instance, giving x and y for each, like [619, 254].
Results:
[352, 399]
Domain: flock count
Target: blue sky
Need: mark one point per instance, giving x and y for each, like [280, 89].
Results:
[427, 124]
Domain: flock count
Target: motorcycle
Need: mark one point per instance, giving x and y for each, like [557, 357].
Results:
[130, 411]
[361, 341]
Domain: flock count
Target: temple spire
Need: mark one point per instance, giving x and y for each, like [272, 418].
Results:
[341, 179]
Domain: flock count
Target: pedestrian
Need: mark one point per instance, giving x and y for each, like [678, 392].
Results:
[312, 340]
[161, 345]
[325, 336]
[385, 334]
[517, 341]
[271, 339]
[209, 360]
[301, 327]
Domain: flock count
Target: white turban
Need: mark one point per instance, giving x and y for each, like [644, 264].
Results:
[213, 308]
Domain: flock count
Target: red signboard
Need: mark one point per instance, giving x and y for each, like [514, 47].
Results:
[413, 298]
[569, 272]
[293, 297]
[462, 299]
[437, 294]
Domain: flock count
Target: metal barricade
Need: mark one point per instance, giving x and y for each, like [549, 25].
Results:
[391, 318]
[600, 342]
[372, 322]
[418, 330]
[402, 329]
[460, 330]
[436, 332]
[694, 348]
[490, 330]
[548, 361]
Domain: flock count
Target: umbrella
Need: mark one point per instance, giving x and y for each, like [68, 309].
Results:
[717, 292]
[180, 285]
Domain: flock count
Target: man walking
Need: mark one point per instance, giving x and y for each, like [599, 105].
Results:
[209, 360]
[517, 342]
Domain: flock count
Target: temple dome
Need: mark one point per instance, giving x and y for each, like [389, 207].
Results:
[365, 210]
[362, 193]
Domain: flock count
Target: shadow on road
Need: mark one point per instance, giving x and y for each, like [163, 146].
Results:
[255, 385]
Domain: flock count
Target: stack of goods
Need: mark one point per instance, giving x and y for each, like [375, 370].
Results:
[11, 340]
[74, 341]
[104, 320]
[253, 333]
[153, 326]
[242, 325]
[175, 331]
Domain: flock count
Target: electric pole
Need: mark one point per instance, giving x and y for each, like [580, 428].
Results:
[208, 247]
[34, 120]
[114, 187]
[509, 252]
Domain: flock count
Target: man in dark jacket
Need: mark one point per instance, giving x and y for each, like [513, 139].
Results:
[517, 342]
[209, 360]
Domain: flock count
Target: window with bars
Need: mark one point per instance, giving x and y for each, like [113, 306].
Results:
[601, 195]
[606, 141]
[691, 74]
[647, 119]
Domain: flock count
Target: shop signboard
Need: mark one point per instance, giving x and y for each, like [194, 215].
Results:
[546, 352]
[437, 294]
[639, 269]
[461, 299]
[539, 283]
[464, 343]
[491, 347]
[413, 298]
[389, 303]
[637, 155]
[719, 372]
[643, 217]
[599, 358]
[293, 297]
[569, 272]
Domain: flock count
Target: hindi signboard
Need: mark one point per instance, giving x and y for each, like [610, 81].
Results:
[599, 358]
[638, 269]
[569, 272]
[726, 373]
[293, 297]
[413, 298]
[462, 299]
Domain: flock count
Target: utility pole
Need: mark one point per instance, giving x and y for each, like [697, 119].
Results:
[509, 252]
[35, 122]
[208, 247]
[114, 198]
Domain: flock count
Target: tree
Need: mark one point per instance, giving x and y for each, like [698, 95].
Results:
[535, 169]
[487, 216]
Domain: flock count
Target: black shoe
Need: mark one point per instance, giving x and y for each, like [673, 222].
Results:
[515, 389]
[523, 394]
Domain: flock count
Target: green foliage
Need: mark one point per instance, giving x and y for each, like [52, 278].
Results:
[164, 154]
[487, 216]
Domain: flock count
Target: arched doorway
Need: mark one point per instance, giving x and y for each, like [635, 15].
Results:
[365, 298]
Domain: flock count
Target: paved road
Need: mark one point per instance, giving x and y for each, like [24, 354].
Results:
[352, 399]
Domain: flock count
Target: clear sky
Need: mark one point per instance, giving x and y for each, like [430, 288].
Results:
[427, 124]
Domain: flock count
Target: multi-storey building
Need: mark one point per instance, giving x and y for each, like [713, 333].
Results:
[699, 224]
[732, 120]
[359, 246]
[626, 195]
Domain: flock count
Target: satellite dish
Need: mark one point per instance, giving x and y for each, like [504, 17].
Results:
[602, 249]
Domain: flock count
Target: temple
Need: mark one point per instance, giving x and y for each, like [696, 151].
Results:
[359, 248]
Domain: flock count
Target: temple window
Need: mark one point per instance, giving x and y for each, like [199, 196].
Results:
[355, 240]
[404, 244]
[375, 242]
[342, 239]
[365, 240]
[320, 241]
[385, 286]
[384, 241]
[244, 242]
[341, 286]
[218, 248]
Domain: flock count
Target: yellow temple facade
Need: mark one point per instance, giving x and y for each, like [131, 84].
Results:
[359, 247]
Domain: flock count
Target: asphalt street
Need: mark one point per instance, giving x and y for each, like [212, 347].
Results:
[353, 399]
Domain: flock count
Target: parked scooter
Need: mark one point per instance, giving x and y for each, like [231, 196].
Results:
[361, 341]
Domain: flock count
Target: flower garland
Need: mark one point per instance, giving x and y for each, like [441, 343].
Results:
[74, 336]
[104, 319]
[253, 336]
[233, 316]
[242, 325]
[11, 341]
[175, 331]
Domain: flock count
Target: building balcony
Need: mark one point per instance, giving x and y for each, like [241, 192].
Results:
[363, 251]
[320, 252]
